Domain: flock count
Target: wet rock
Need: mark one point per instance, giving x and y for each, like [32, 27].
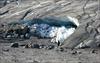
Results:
[15, 45]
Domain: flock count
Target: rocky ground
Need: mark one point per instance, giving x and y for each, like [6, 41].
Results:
[86, 11]
[22, 55]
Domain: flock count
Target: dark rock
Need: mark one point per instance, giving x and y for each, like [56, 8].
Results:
[36, 46]
[26, 14]
[61, 49]
[4, 12]
[98, 45]
[74, 52]
[22, 44]
[79, 52]
[93, 51]
[15, 45]
[79, 62]
[35, 62]
[42, 46]
[22, 51]
[28, 46]
[49, 47]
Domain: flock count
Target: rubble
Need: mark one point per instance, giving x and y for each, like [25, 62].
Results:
[15, 30]
[38, 46]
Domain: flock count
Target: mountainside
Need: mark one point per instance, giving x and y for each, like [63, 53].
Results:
[86, 35]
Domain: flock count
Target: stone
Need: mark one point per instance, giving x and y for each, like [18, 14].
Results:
[9, 36]
[61, 49]
[94, 51]
[42, 46]
[98, 45]
[15, 45]
[49, 47]
[28, 46]
[27, 35]
[74, 52]
[36, 46]
[79, 52]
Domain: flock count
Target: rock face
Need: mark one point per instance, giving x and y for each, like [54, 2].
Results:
[86, 11]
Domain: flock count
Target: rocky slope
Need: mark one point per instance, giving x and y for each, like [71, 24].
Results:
[87, 34]
[86, 11]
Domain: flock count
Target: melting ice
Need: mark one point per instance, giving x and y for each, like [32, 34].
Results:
[57, 34]
[58, 29]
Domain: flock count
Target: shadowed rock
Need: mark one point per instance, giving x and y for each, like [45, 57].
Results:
[15, 45]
